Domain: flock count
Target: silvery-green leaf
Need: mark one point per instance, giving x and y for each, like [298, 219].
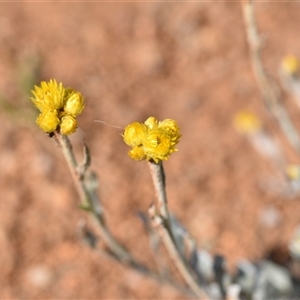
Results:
[179, 233]
[273, 282]
[278, 277]
[204, 265]
[246, 275]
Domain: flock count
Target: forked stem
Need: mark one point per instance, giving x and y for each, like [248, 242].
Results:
[160, 217]
[79, 175]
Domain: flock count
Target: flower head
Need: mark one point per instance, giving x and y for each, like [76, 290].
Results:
[59, 106]
[157, 145]
[74, 103]
[135, 133]
[247, 122]
[170, 126]
[290, 65]
[48, 120]
[152, 140]
[68, 125]
[49, 96]
[293, 172]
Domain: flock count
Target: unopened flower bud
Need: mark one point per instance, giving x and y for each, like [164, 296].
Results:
[137, 153]
[68, 125]
[74, 103]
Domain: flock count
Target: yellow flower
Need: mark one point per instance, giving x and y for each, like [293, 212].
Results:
[152, 140]
[74, 103]
[48, 121]
[68, 125]
[134, 134]
[247, 122]
[293, 172]
[49, 96]
[290, 65]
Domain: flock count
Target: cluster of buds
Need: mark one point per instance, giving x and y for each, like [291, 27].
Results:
[58, 106]
[152, 140]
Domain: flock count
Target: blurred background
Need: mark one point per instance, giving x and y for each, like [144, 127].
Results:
[185, 61]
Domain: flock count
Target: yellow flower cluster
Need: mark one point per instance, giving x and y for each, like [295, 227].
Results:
[152, 140]
[59, 107]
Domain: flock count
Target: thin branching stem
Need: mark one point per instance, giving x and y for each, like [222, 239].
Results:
[85, 196]
[161, 221]
[269, 92]
[146, 272]
[116, 251]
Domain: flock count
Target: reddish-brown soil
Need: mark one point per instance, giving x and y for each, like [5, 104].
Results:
[186, 61]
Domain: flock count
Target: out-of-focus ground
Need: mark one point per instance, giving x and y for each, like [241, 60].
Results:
[186, 61]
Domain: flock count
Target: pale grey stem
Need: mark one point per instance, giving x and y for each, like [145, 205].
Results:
[85, 196]
[87, 192]
[159, 182]
[158, 177]
[89, 239]
[177, 259]
[146, 272]
[161, 220]
[269, 93]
